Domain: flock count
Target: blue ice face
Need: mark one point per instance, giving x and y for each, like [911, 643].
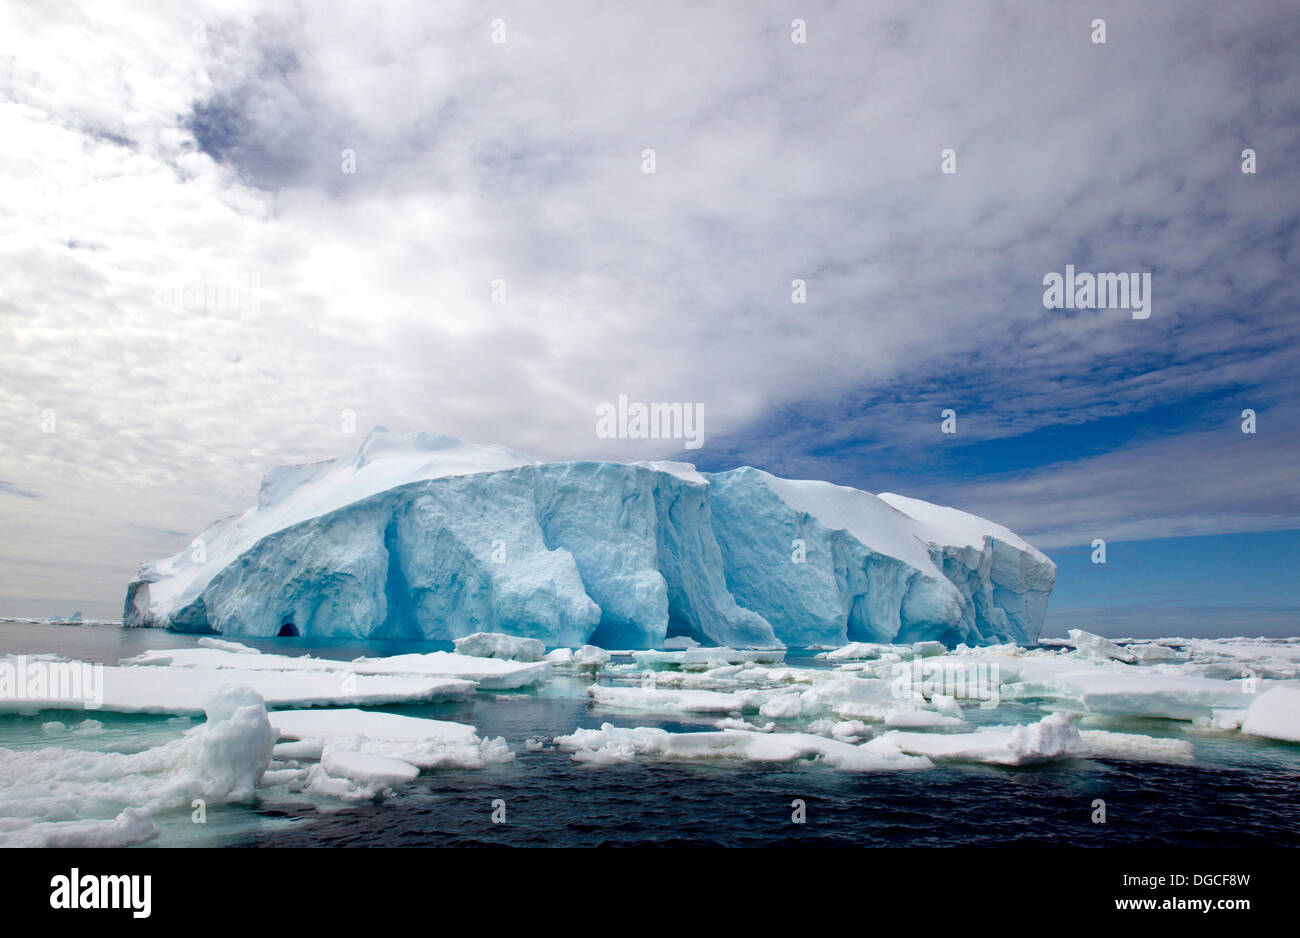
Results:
[618, 555]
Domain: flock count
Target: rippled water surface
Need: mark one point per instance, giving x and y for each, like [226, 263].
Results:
[1238, 793]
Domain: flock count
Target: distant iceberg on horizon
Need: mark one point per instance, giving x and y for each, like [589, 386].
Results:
[421, 536]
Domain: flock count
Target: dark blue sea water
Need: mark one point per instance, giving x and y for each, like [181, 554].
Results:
[1239, 792]
[554, 801]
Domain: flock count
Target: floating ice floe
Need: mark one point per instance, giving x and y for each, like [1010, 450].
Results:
[69, 797]
[859, 650]
[1053, 738]
[586, 658]
[780, 694]
[1135, 747]
[612, 745]
[673, 700]
[425, 743]
[1152, 653]
[727, 677]
[703, 659]
[735, 723]
[367, 771]
[1126, 691]
[363, 754]
[1096, 648]
[1275, 714]
[222, 645]
[487, 673]
[1275, 659]
[919, 718]
[500, 645]
[850, 731]
[182, 690]
[590, 658]
[854, 697]
[1212, 683]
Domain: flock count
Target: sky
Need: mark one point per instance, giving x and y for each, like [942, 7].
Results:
[194, 289]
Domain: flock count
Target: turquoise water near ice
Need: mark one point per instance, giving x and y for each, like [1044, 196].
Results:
[1240, 792]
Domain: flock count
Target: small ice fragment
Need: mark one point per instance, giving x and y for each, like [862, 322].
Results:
[500, 645]
[1275, 714]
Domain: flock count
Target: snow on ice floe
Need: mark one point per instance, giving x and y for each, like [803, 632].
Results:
[425, 743]
[703, 659]
[865, 698]
[184, 690]
[368, 772]
[864, 651]
[919, 718]
[1209, 681]
[781, 695]
[1275, 714]
[69, 797]
[1085, 675]
[589, 657]
[62, 797]
[1053, 738]
[1095, 648]
[489, 673]
[1205, 681]
[838, 745]
[673, 700]
[612, 745]
[426, 537]
[1136, 747]
[1126, 693]
[363, 754]
[234, 647]
[498, 645]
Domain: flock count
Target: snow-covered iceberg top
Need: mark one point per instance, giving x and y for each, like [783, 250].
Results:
[416, 536]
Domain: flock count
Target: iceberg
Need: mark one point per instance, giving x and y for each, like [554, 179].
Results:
[425, 537]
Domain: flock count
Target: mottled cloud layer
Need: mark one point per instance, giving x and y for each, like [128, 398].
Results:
[148, 154]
